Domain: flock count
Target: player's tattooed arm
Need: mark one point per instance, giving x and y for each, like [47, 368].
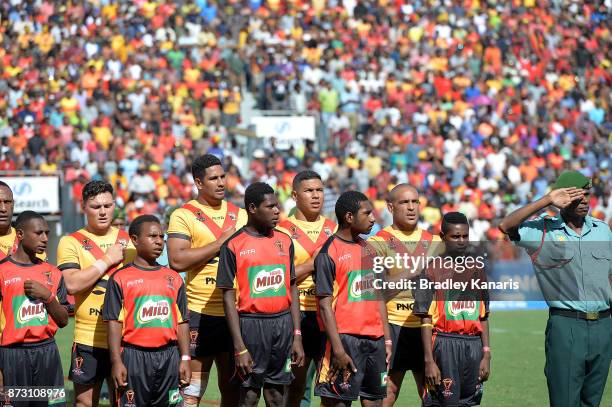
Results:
[432, 372]
[485, 364]
[118, 372]
[244, 361]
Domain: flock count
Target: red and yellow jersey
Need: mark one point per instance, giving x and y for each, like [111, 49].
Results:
[202, 225]
[260, 268]
[79, 251]
[150, 302]
[419, 245]
[23, 320]
[8, 243]
[307, 238]
[452, 308]
[344, 271]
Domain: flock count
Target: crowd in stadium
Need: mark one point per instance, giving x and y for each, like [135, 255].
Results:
[479, 104]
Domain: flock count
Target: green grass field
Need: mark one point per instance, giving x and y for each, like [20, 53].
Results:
[517, 370]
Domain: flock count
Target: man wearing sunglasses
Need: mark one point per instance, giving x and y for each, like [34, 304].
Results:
[571, 256]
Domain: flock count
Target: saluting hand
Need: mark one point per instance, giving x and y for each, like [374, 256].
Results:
[36, 290]
[563, 197]
[115, 253]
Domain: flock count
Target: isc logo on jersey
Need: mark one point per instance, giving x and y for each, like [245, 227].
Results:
[461, 307]
[153, 311]
[267, 281]
[28, 313]
[361, 286]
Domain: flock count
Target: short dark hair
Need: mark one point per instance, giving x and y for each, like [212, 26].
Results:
[26, 216]
[95, 188]
[200, 164]
[136, 225]
[453, 218]
[304, 176]
[256, 192]
[4, 184]
[348, 202]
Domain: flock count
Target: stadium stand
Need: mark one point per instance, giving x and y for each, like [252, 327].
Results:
[479, 104]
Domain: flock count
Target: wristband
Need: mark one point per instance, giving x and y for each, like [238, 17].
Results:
[297, 332]
[185, 357]
[388, 342]
[242, 352]
[427, 325]
[50, 299]
[101, 266]
[486, 349]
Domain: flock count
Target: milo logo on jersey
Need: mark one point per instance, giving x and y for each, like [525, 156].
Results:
[267, 281]
[361, 286]
[461, 306]
[29, 313]
[153, 311]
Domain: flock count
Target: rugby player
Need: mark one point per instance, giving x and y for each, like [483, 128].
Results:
[31, 297]
[455, 328]
[146, 309]
[404, 237]
[308, 230]
[260, 296]
[86, 258]
[357, 349]
[195, 235]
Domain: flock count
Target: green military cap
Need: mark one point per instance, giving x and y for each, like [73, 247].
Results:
[572, 179]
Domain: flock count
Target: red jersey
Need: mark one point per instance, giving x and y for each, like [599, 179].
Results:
[23, 320]
[344, 271]
[150, 302]
[260, 268]
[453, 308]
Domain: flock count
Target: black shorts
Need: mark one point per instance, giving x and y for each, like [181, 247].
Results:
[269, 340]
[153, 377]
[89, 365]
[370, 381]
[458, 358]
[33, 365]
[312, 337]
[209, 335]
[407, 349]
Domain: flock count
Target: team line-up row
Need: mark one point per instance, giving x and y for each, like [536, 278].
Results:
[263, 300]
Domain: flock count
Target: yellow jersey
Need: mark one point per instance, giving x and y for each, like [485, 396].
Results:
[307, 237]
[389, 242]
[202, 225]
[8, 243]
[73, 253]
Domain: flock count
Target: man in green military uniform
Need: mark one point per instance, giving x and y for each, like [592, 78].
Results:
[571, 257]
